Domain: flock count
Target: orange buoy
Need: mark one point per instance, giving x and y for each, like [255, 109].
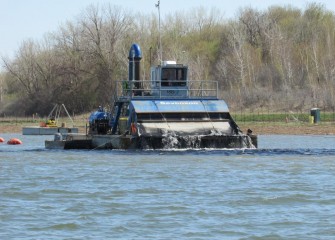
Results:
[14, 141]
[1, 140]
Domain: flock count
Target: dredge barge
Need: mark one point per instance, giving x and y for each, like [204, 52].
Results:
[166, 112]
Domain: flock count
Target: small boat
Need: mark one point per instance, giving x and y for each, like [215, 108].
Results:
[50, 126]
[166, 112]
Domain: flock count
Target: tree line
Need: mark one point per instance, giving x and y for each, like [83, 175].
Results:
[282, 58]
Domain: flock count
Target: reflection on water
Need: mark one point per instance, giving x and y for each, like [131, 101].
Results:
[283, 190]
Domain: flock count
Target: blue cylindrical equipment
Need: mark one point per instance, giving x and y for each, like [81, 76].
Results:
[135, 56]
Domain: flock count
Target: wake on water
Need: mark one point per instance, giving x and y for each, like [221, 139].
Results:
[191, 145]
[198, 151]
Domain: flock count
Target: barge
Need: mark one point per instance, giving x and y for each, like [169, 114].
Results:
[166, 112]
[51, 126]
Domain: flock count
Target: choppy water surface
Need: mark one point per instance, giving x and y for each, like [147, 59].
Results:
[283, 190]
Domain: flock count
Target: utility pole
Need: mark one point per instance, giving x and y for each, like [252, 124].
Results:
[159, 29]
[1, 88]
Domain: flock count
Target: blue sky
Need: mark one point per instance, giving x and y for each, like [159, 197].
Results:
[31, 19]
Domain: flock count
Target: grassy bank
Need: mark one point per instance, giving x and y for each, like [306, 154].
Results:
[281, 117]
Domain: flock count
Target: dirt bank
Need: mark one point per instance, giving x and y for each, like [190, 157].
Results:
[258, 128]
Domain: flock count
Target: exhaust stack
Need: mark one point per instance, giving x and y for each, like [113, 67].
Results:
[135, 56]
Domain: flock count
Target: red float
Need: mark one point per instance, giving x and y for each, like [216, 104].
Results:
[2, 140]
[14, 141]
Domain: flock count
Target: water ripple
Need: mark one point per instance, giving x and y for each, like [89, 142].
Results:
[269, 193]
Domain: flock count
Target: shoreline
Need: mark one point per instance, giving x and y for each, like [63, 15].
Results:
[258, 128]
[293, 128]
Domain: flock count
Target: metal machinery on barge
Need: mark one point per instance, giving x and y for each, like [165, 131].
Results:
[167, 111]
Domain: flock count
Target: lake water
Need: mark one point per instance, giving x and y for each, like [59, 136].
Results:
[283, 190]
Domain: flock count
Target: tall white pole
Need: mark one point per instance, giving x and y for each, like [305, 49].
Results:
[133, 55]
[159, 26]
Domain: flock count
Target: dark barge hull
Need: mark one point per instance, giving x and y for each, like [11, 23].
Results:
[155, 142]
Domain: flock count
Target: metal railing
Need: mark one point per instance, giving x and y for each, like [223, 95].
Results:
[147, 89]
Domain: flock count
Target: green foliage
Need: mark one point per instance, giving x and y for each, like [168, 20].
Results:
[280, 117]
[259, 58]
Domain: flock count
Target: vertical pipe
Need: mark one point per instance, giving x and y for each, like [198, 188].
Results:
[134, 58]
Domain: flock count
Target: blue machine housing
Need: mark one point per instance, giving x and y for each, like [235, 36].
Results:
[99, 122]
[98, 115]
